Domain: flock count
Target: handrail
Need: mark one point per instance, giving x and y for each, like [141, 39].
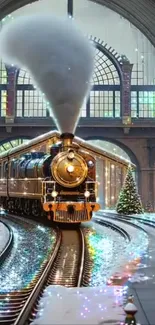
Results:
[82, 260]
[25, 312]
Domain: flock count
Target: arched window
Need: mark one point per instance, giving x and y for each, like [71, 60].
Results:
[30, 101]
[111, 147]
[104, 100]
[12, 144]
[114, 149]
[3, 83]
[24, 78]
[105, 72]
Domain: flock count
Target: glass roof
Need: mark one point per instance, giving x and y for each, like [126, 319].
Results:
[12, 144]
[111, 147]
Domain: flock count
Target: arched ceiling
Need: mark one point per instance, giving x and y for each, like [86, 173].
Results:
[140, 13]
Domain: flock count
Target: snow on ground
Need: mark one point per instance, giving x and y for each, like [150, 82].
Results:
[61, 305]
[127, 268]
[4, 236]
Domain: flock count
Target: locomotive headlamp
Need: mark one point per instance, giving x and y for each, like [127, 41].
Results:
[70, 168]
[70, 155]
[90, 164]
[86, 193]
[54, 193]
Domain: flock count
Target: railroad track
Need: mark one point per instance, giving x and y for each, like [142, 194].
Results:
[65, 267]
[143, 221]
[114, 227]
[102, 219]
[9, 244]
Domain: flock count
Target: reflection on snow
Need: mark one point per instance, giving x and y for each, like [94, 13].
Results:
[115, 259]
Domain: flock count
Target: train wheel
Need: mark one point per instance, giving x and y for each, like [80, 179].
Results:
[35, 208]
[10, 205]
[17, 205]
[3, 203]
[27, 207]
[13, 205]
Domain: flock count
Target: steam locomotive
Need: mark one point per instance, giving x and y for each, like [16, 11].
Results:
[60, 185]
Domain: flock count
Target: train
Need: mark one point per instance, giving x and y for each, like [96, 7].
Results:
[59, 185]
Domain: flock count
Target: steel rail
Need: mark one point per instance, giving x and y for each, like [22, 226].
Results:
[25, 311]
[122, 220]
[82, 259]
[146, 222]
[119, 229]
[8, 245]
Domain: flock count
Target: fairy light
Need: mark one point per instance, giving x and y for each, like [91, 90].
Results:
[106, 187]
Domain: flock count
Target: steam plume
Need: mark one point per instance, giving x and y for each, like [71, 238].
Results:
[59, 58]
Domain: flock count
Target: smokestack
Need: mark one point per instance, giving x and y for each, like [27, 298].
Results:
[67, 139]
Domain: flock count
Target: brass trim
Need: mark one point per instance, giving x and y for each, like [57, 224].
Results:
[22, 179]
[56, 171]
[13, 194]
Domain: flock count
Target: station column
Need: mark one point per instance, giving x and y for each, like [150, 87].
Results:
[100, 177]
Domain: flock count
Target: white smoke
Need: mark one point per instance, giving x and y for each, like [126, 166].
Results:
[59, 58]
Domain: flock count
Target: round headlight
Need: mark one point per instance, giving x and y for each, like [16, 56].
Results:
[70, 155]
[90, 164]
[54, 193]
[86, 193]
[70, 168]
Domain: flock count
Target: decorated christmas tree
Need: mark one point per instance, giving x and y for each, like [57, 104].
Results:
[129, 201]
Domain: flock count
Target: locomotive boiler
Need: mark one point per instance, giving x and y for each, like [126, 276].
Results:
[61, 184]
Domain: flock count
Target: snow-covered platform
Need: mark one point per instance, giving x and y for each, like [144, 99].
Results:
[4, 236]
[60, 305]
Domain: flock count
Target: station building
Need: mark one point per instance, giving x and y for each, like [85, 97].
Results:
[119, 115]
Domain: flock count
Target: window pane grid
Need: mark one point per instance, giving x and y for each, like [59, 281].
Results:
[102, 104]
[105, 72]
[30, 103]
[143, 104]
[3, 73]
[3, 102]
[24, 78]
